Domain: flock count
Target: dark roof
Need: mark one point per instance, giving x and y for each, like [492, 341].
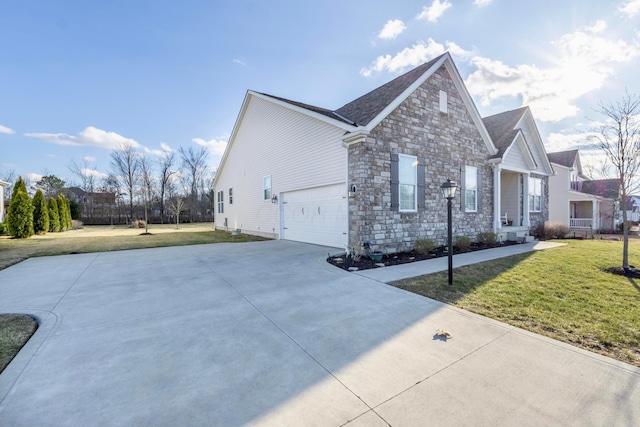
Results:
[319, 110]
[609, 188]
[501, 128]
[367, 107]
[564, 158]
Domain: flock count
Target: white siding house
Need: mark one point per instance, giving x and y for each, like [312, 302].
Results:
[340, 177]
[3, 185]
[576, 201]
[300, 157]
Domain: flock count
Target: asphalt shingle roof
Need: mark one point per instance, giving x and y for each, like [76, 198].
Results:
[501, 128]
[367, 107]
[609, 188]
[564, 158]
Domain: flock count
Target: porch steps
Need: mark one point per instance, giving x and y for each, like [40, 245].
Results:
[519, 236]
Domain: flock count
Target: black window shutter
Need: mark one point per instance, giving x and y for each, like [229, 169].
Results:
[463, 196]
[395, 181]
[420, 178]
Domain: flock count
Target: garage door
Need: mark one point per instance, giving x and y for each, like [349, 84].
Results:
[316, 215]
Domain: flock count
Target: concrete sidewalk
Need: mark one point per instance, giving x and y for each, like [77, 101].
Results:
[269, 333]
[420, 268]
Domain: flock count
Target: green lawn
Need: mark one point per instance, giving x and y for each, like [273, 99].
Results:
[111, 238]
[561, 293]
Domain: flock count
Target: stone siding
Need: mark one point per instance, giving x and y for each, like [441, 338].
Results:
[448, 142]
[537, 218]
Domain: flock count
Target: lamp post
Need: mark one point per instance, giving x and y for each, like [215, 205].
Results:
[449, 191]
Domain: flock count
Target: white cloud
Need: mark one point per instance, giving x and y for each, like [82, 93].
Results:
[392, 29]
[435, 11]
[583, 63]
[630, 8]
[413, 56]
[30, 180]
[89, 158]
[162, 152]
[215, 146]
[94, 173]
[165, 147]
[89, 136]
[559, 141]
[482, 3]
[237, 61]
[6, 130]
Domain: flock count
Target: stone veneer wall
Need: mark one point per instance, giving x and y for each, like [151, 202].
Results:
[447, 142]
[536, 218]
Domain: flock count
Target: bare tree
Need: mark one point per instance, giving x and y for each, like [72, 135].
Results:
[176, 206]
[10, 177]
[145, 184]
[194, 163]
[87, 183]
[126, 168]
[167, 171]
[619, 138]
[110, 184]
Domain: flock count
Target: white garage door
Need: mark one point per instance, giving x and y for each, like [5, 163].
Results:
[316, 215]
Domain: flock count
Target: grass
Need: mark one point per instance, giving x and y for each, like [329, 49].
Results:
[15, 331]
[111, 238]
[561, 293]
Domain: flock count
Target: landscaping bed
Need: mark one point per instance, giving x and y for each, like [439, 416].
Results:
[365, 262]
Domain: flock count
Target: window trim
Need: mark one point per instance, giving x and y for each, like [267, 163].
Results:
[221, 201]
[467, 173]
[414, 163]
[532, 196]
[266, 191]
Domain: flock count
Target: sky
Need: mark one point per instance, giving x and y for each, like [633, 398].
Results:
[79, 78]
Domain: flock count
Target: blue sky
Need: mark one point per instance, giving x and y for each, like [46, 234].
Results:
[77, 78]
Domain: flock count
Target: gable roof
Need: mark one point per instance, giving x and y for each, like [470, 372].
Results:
[563, 158]
[366, 108]
[501, 128]
[325, 112]
[609, 188]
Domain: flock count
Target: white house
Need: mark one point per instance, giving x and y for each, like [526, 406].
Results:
[578, 202]
[369, 172]
[3, 185]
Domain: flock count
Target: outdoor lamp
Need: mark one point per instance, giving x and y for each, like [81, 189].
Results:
[449, 191]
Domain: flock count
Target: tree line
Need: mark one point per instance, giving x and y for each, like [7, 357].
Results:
[175, 185]
[27, 216]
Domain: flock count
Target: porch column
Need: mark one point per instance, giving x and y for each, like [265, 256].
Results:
[496, 198]
[525, 201]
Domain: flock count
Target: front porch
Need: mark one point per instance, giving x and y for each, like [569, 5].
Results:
[512, 210]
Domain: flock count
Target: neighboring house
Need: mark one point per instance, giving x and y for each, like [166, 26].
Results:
[633, 208]
[578, 202]
[96, 207]
[370, 172]
[3, 210]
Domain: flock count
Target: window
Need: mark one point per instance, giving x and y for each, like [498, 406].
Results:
[576, 184]
[266, 184]
[471, 189]
[535, 194]
[408, 179]
[220, 202]
[443, 101]
[231, 196]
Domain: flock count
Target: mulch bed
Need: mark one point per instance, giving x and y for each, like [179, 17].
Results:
[364, 262]
[632, 273]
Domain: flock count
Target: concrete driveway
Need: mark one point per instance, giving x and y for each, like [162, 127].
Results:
[268, 333]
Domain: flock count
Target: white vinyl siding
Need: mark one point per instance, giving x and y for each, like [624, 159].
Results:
[296, 150]
[471, 189]
[515, 159]
[408, 169]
